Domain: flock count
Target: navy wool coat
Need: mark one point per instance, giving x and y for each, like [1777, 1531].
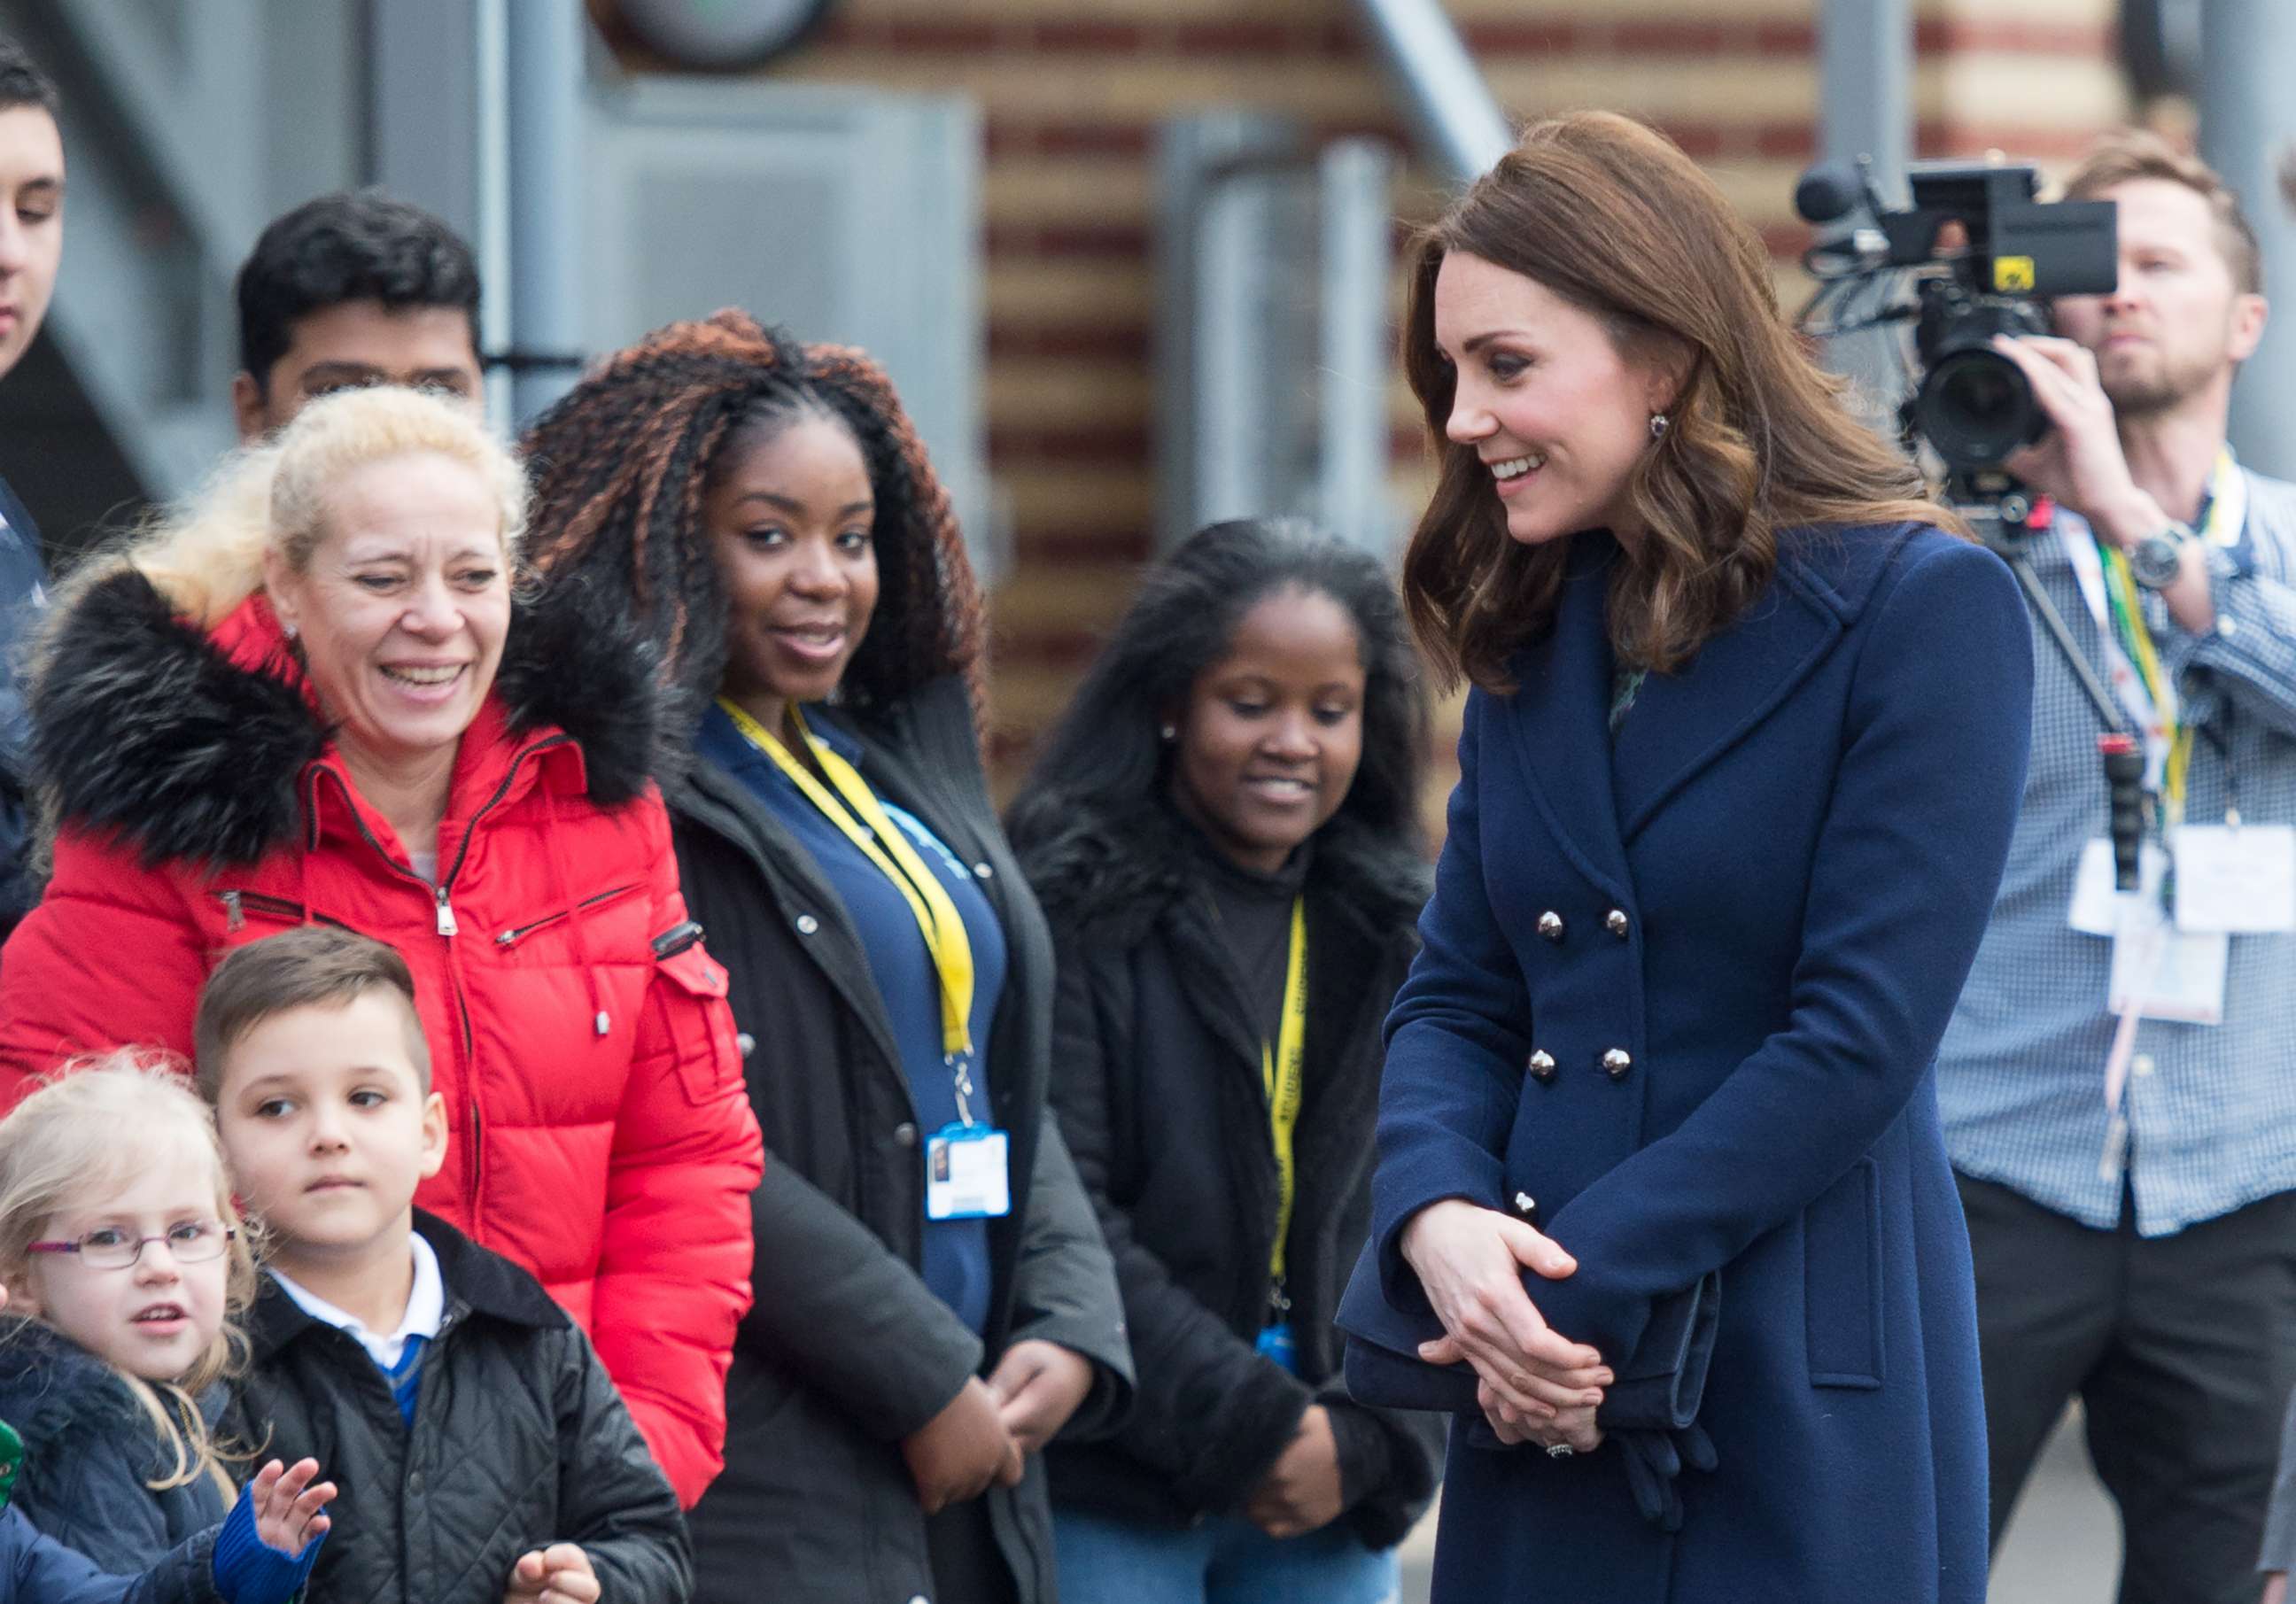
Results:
[1769, 895]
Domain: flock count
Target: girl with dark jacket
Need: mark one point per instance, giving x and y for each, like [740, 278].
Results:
[123, 1267]
[115, 1354]
[941, 1303]
[1221, 831]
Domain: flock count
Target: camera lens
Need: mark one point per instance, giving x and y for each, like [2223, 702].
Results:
[1976, 407]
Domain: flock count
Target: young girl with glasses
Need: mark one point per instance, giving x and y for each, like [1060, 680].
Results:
[125, 1264]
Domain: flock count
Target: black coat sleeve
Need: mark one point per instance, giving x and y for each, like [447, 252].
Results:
[612, 1499]
[847, 1317]
[1064, 1288]
[1210, 1413]
[1389, 1461]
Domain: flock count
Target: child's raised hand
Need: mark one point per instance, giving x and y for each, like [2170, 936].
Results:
[560, 1573]
[289, 1505]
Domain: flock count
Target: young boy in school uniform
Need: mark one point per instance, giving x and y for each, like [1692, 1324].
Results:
[482, 1453]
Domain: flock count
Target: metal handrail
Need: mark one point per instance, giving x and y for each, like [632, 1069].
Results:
[1458, 120]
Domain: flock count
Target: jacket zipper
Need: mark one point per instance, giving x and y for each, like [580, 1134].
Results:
[449, 928]
[511, 938]
[236, 904]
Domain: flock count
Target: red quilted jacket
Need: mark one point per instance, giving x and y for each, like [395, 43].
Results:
[601, 1133]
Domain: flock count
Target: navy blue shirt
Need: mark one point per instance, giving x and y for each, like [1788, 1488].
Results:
[956, 1251]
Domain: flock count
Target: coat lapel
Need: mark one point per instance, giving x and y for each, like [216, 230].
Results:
[1681, 722]
[1562, 709]
[725, 805]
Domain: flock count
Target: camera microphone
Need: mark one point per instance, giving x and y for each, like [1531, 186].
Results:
[2124, 779]
[1828, 193]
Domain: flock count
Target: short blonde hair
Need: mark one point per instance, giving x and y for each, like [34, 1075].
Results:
[206, 556]
[84, 1134]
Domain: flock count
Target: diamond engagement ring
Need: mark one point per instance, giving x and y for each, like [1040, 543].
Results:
[1559, 1451]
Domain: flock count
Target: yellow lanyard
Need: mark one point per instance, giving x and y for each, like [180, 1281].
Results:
[884, 844]
[1283, 1070]
[2125, 603]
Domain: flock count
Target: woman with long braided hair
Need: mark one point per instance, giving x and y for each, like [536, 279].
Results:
[933, 1300]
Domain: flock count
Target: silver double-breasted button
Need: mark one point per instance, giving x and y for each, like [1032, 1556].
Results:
[1617, 1062]
[1617, 923]
[1541, 1066]
[1550, 925]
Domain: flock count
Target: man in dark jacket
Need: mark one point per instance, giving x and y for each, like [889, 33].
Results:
[482, 1453]
[32, 248]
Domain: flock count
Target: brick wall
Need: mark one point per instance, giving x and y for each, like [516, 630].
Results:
[1072, 92]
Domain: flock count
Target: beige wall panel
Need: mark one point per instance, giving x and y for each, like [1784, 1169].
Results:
[1026, 292]
[1997, 89]
[1668, 88]
[1044, 392]
[1058, 600]
[1595, 12]
[1067, 189]
[2100, 14]
[1048, 496]
[1024, 700]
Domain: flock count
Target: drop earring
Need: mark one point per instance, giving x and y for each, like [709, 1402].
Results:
[1658, 425]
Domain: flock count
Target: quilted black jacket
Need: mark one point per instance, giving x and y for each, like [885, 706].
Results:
[519, 1441]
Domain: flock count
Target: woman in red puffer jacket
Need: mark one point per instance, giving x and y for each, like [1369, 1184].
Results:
[315, 697]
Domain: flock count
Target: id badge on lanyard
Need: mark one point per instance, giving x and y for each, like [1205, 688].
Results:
[968, 1173]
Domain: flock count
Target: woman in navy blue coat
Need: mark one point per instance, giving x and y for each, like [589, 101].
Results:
[1737, 777]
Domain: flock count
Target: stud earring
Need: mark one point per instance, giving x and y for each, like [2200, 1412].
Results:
[291, 632]
[1659, 422]
[1170, 732]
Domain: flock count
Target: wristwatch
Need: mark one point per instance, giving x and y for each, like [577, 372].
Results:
[2157, 560]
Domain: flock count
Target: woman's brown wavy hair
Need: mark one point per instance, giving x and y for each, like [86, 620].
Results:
[1611, 216]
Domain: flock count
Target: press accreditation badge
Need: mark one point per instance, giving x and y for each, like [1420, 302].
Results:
[2168, 972]
[2095, 908]
[2239, 879]
[968, 1173]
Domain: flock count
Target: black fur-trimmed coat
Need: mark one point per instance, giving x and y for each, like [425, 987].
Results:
[599, 1136]
[1156, 1083]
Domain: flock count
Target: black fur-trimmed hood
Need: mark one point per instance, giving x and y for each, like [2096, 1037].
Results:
[1117, 871]
[146, 724]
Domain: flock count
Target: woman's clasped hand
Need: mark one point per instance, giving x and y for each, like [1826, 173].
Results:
[1535, 1384]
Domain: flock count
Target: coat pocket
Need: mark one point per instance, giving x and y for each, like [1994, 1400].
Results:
[691, 991]
[1842, 1292]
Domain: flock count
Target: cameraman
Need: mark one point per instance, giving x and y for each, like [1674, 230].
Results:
[2134, 1230]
